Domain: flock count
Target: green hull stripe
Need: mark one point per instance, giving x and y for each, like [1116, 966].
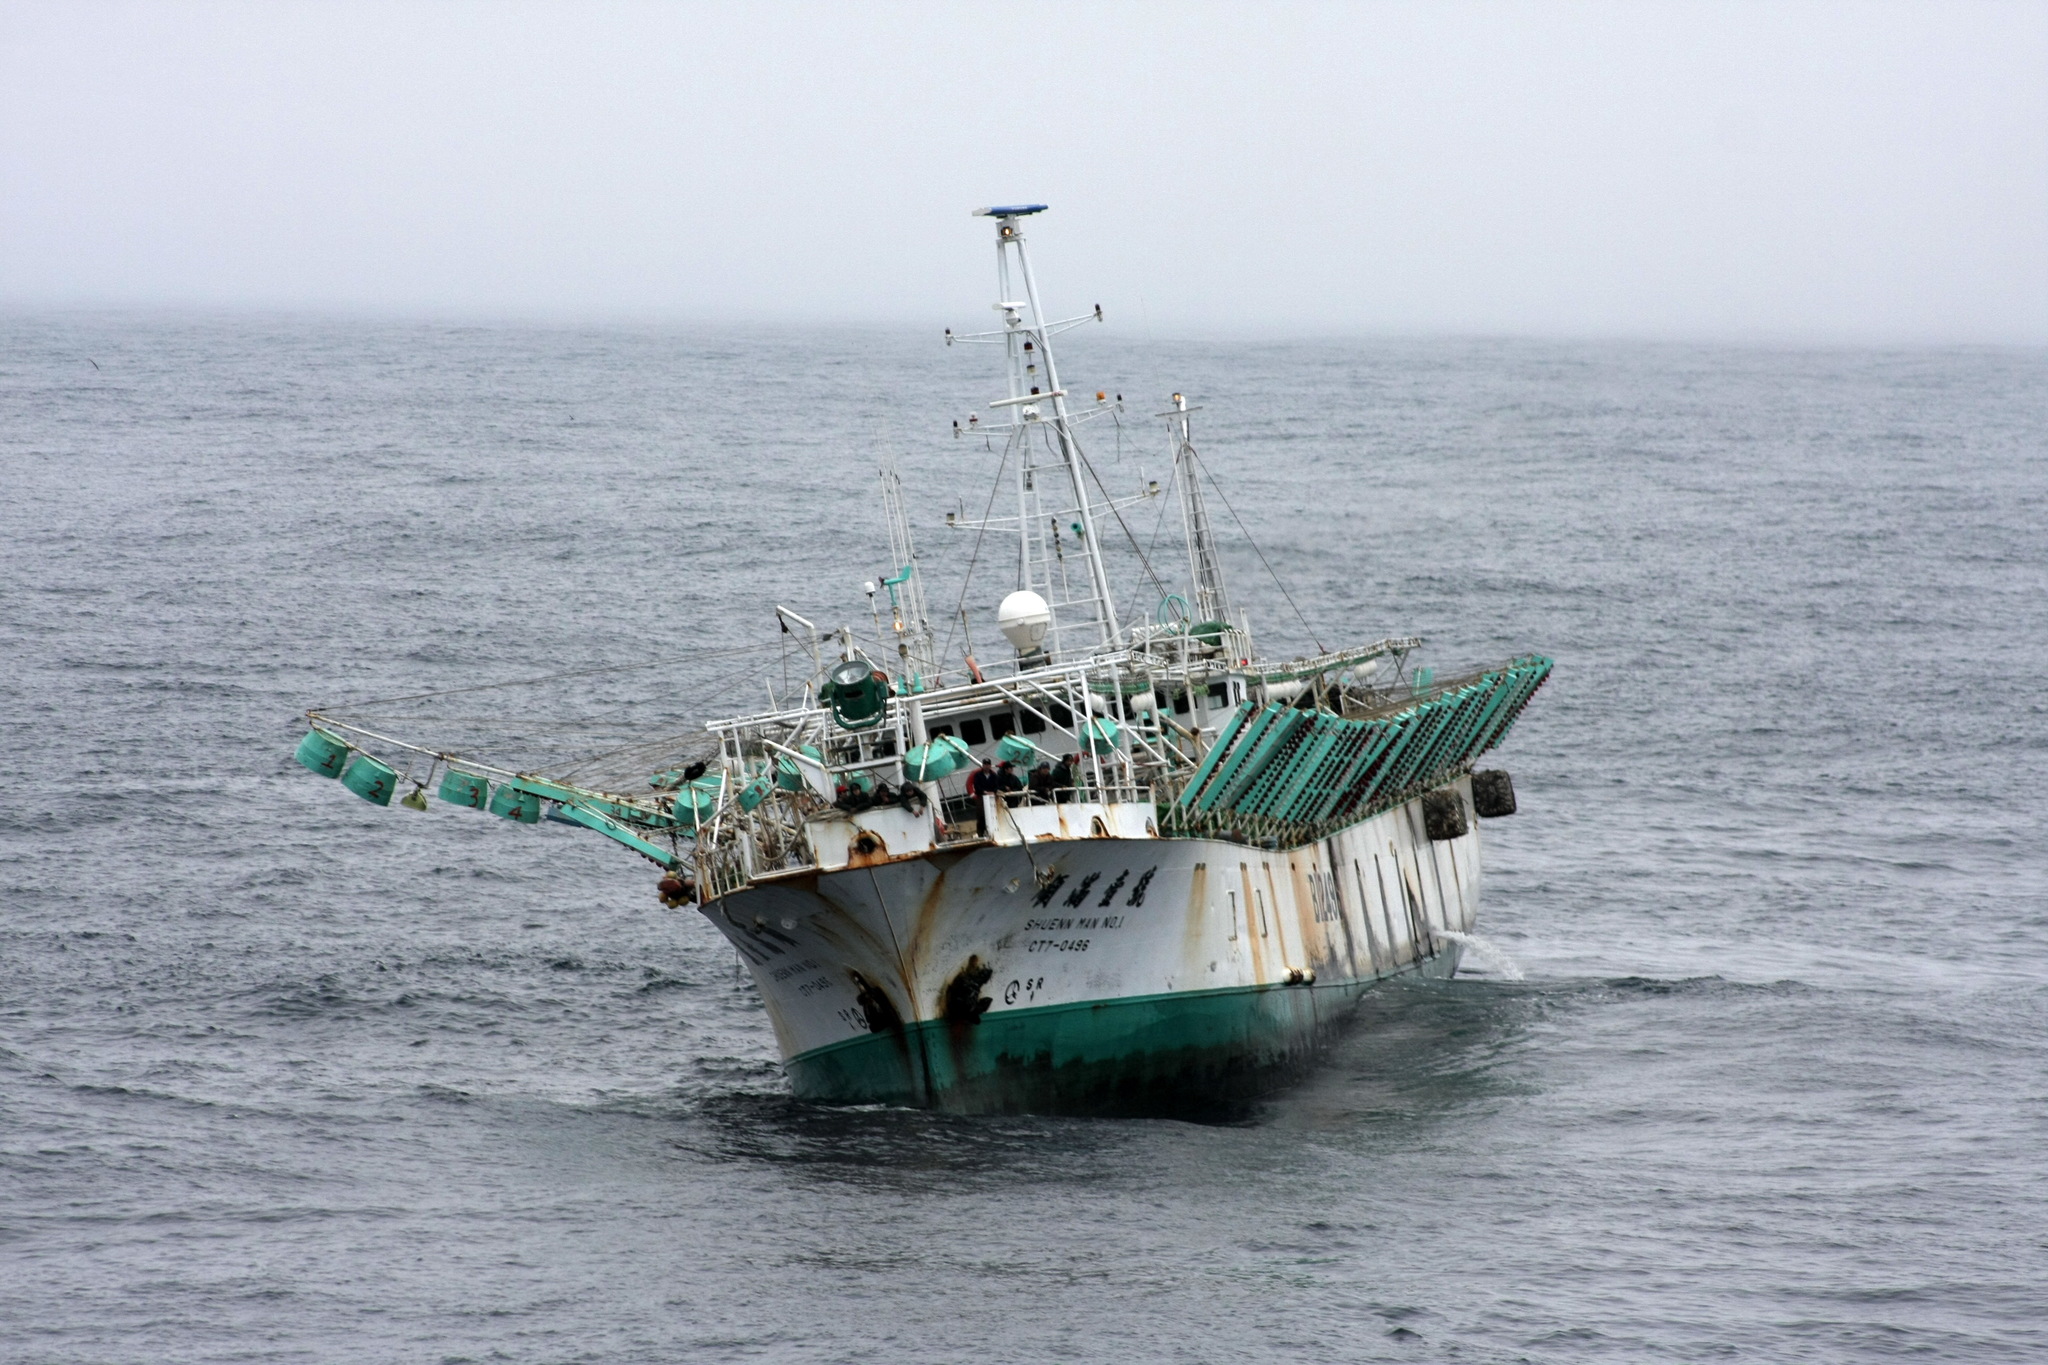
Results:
[1178, 1051]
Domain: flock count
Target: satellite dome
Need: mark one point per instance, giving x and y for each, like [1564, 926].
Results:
[1024, 617]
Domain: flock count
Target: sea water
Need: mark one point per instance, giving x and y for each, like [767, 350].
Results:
[1483, 957]
[287, 1077]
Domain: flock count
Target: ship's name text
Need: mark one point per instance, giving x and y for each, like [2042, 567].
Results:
[1054, 926]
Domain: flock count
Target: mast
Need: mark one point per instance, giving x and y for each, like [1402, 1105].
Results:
[913, 628]
[1205, 570]
[1059, 555]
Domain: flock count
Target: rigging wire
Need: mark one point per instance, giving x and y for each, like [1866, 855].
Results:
[1165, 500]
[730, 681]
[1114, 511]
[1256, 550]
[660, 745]
[569, 766]
[599, 725]
[967, 579]
[555, 677]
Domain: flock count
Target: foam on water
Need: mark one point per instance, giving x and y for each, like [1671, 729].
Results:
[1492, 954]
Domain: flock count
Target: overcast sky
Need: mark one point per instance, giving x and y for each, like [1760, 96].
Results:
[1853, 171]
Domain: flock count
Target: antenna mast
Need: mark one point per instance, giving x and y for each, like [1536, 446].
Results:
[914, 643]
[1205, 570]
[1056, 517]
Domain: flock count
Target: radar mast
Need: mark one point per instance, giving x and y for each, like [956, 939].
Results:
[1059, 554]
[1205, 569]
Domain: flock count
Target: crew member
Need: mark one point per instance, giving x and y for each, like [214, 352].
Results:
[1041, 782]
[982, 781]
[1007, 781]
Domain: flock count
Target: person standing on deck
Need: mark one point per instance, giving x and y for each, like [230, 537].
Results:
[983, 780]
[1008, 783]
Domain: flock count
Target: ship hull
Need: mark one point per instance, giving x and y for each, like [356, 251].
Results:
[1181, 1053]
[1095, 975]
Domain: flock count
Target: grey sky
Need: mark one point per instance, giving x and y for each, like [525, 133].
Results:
[1824, 171]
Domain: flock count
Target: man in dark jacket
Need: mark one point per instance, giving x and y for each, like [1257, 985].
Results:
[1007, 781]
[1041, 782]
[982, 781]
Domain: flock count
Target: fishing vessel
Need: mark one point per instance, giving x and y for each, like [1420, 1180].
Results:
[1132, 866]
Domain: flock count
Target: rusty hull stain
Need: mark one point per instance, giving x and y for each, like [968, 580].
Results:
[961, 1003]
[882, 1017]
[1315, 934]
[1254, 933]
[875, 1005]
[1194, 938]
[866, 850]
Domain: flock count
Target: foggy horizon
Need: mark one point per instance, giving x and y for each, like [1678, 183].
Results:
[1812, 174]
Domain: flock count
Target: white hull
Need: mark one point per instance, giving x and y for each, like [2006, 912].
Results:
[1062, 922]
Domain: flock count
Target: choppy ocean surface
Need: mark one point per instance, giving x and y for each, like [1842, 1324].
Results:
[287, 1077]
